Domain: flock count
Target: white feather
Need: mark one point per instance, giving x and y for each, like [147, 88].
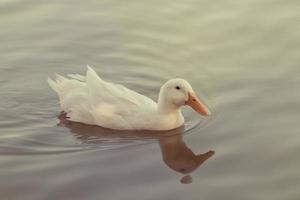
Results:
[91, 100]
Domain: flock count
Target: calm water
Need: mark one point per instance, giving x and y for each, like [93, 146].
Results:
[243, 57]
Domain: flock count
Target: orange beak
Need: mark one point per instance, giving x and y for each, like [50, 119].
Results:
[197, 105]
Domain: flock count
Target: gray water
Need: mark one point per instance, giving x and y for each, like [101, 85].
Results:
[242, 57]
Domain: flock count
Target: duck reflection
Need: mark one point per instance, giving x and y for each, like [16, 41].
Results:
[180, 158]
[175, 153]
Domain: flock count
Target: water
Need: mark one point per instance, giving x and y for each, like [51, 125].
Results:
[241, 56]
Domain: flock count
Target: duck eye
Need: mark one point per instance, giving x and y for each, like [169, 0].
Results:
[177, 87]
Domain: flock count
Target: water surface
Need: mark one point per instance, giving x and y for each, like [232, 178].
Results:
[242, 57]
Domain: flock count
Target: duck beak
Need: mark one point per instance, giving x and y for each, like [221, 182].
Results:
[197, 105]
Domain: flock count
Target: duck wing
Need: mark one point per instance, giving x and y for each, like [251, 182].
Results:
[91, 100]
[114, 105]
[109, 93]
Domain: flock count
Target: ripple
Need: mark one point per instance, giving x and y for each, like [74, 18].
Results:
[31, 133]
[87, 137]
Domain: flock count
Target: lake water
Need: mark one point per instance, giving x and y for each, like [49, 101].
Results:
[242, 57]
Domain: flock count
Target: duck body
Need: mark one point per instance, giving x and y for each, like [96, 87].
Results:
[91, 100]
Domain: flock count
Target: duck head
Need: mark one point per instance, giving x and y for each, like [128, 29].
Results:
[177, 93]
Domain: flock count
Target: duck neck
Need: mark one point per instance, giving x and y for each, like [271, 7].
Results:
[166, 107]
[170, 114]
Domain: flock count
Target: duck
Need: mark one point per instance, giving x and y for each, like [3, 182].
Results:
[91, 100]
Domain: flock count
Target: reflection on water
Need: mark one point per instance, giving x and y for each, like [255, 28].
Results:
[181, 158]
[175, 153]
[241, 56]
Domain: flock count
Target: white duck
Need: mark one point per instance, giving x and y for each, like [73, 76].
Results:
[91, 100]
